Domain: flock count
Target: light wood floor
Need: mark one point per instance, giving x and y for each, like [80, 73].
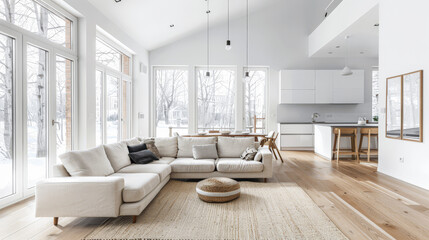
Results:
[363, 204]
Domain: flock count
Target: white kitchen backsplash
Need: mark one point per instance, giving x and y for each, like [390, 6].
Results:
[328, 113]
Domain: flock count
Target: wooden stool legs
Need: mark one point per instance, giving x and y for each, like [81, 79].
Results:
[55, 221]
[368, 133]
[345, 132]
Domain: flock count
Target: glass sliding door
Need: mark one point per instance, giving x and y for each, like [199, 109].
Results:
[36, 131]
[64, 104]
[125, 108]
[7, 72]
[112, 109]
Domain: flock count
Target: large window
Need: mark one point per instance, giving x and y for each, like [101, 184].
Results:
[255, 100]
[171, 101]
[113, 93]
[33, 17]
[7, 74]
[37, 59]
[216, 97]
[196, 103]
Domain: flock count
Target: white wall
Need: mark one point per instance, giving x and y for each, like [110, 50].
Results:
[404, 48]
[89, 17]
[278, 39]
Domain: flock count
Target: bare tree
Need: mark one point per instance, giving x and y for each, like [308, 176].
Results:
[170, 88]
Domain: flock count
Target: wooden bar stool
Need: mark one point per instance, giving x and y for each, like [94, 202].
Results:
[345, 132]
[368, 133]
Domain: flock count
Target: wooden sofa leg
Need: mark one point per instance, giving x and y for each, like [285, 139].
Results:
[55, 221]
[134, 219]
[265, 180]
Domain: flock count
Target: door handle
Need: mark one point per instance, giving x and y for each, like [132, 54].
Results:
[55, 122]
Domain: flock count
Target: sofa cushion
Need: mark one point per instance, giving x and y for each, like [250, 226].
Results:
[163, 170]
[132, 141]
[142, 157]
[237, 165]
[207, 151]
[137, 185]
[167, 146]
[91, 162]
[190, 165]
[233, 147]
[185, 145]
[117, 153]
[164, 160]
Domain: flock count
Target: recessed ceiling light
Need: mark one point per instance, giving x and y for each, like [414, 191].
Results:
[172, 25]
[376, 25]
[337, 46]
[330, 52]
[362, 52]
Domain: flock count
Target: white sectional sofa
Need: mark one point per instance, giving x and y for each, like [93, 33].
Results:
[102, 182]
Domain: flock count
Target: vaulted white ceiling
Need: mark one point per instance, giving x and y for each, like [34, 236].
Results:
[148, 21]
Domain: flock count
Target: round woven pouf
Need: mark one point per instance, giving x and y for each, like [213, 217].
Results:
[218, 190]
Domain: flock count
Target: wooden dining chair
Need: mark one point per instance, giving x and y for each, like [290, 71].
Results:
[270, 140]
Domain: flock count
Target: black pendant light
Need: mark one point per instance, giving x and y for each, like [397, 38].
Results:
[208, 39]
[246, 73]
[228, 41]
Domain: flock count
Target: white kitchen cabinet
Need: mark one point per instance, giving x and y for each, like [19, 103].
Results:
[321, 87]
[297, 141]
[296, 129]
[349, 89]
[297, 96]
[297, 79]
[296, 136]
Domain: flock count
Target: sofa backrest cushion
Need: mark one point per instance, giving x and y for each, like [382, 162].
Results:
[206, 151]
[132, 141]
[233, 147]
[185, 145]
[91, 162]
[117, 153]
[167, 146]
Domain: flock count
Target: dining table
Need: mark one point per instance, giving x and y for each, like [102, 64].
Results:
[255, 135]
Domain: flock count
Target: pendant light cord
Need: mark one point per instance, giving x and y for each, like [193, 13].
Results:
[247, 32]
[228, 20]
[208, 35]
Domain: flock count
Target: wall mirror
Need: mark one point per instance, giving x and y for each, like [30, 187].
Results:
[404, 107]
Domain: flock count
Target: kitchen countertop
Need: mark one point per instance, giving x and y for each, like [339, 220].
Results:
[347, 125]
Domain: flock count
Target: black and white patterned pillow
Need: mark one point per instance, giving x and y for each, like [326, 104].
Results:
[249, 154]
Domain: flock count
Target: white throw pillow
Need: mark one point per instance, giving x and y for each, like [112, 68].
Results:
[167, 146]
[207, 151]
[249, 154]
[233, 147]
[185, 145]
[91, 162]
[117, 153]
[258, 157]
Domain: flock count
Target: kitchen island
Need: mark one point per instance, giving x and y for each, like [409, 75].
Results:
[324, 137]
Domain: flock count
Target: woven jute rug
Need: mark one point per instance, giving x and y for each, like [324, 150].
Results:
[263, 211]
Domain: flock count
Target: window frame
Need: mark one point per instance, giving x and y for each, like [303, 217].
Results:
[153, 93]
[22, 38]
[106, 70]
[267, 91]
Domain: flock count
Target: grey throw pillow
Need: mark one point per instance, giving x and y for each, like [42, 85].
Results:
[150, 145]
[249, 154]
[206, 151]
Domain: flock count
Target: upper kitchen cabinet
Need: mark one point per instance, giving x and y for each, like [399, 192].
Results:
[297, 86]
[321, 87]
[297, 79]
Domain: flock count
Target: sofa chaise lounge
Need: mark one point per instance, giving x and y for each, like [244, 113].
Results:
[102, 182]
